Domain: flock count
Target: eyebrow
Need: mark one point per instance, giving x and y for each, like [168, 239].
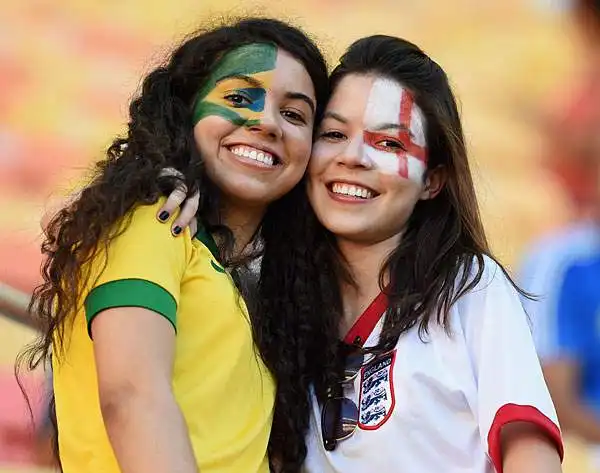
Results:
[251, 80]
[391, 126]
[383, 126]
[335, 116]
[303, 97]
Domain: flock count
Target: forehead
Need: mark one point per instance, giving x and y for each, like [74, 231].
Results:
[350, 96]
[267, 63]
[246, 60]
[375, 100]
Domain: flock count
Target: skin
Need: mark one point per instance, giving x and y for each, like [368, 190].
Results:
[135, 347]
[368, 229]
[563, 378]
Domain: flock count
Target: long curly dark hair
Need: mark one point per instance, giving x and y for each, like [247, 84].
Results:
[441, 255]
[160, 135]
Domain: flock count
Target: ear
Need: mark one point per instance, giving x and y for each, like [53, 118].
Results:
[435, 179]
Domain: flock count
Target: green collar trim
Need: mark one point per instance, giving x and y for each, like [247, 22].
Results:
[207, 239]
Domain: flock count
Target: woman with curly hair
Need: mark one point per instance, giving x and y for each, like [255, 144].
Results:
[437, 371]
[153, 354]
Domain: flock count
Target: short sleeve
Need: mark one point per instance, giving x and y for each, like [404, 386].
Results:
[509, 379]
[571, 336]
[142, 267]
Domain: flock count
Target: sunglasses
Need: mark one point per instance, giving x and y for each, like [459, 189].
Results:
[339, 415]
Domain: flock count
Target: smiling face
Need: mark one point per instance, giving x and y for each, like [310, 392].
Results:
[368, 165]
[253, 124]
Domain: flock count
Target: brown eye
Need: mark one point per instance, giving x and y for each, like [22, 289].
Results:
[390, 144]
[332, 135]
[293, 116]
[237, 100]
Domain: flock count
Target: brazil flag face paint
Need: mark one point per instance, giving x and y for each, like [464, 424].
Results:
[237, 87]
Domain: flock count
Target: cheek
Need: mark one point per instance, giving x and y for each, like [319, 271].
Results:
[323, 154]
[210, 130]
[404, 192]
[298, 140]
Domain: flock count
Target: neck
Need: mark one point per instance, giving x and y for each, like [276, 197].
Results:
[243, 223]
[364, 261]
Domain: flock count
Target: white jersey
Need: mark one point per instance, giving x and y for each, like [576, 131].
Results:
[439, 405]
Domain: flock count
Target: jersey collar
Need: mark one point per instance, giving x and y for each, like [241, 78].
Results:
[365, 324]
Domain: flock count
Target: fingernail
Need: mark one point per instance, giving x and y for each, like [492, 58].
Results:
[163, 216]
[176, 230]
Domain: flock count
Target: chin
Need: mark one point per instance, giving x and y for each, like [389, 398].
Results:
[345, 229]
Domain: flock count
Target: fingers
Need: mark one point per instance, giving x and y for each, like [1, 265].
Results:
[172, 203]
[194, 227]
[187, 216]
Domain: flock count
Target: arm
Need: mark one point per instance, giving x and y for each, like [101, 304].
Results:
[515, 410]
[134, 350]
[131, 312]
[563, 377]
[563, 371]
[526, 449]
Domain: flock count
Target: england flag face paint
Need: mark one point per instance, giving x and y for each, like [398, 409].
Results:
[394, 133]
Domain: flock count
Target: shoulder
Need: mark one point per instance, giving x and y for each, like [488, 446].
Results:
[143, 217]
[491, 295]
[484, 273]
[140, 246]
[141, 227]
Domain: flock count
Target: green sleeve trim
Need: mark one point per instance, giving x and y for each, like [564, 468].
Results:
[130, 293]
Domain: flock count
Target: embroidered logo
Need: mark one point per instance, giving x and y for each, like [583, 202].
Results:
[376, 401]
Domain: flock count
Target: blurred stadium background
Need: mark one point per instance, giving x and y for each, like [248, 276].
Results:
[68, 69]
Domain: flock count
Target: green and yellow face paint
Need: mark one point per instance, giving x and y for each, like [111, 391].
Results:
[237, 87]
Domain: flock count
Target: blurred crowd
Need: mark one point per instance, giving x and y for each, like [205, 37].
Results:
[562, 269]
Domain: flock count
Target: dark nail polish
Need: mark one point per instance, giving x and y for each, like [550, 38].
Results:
[163, 216]
[177, 230]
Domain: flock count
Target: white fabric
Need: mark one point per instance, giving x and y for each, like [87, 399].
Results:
[447, 391]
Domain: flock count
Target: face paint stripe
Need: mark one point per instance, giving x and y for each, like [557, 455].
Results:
[247, 60]
[406, 109]
[390, 161]
[257, 96]
[205, 109]
[251, 59]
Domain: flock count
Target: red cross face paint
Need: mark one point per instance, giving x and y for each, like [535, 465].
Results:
[394, 135]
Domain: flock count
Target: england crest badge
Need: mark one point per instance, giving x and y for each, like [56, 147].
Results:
[376, 401]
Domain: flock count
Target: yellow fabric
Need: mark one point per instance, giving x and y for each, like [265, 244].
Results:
[225, 392]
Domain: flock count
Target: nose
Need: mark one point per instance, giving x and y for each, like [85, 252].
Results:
[267, 123]
[354, 155]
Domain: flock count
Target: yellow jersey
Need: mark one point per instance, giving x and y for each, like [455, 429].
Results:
[224, 390]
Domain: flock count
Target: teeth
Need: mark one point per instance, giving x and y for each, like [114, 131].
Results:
[352, 190]
[253, 153]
